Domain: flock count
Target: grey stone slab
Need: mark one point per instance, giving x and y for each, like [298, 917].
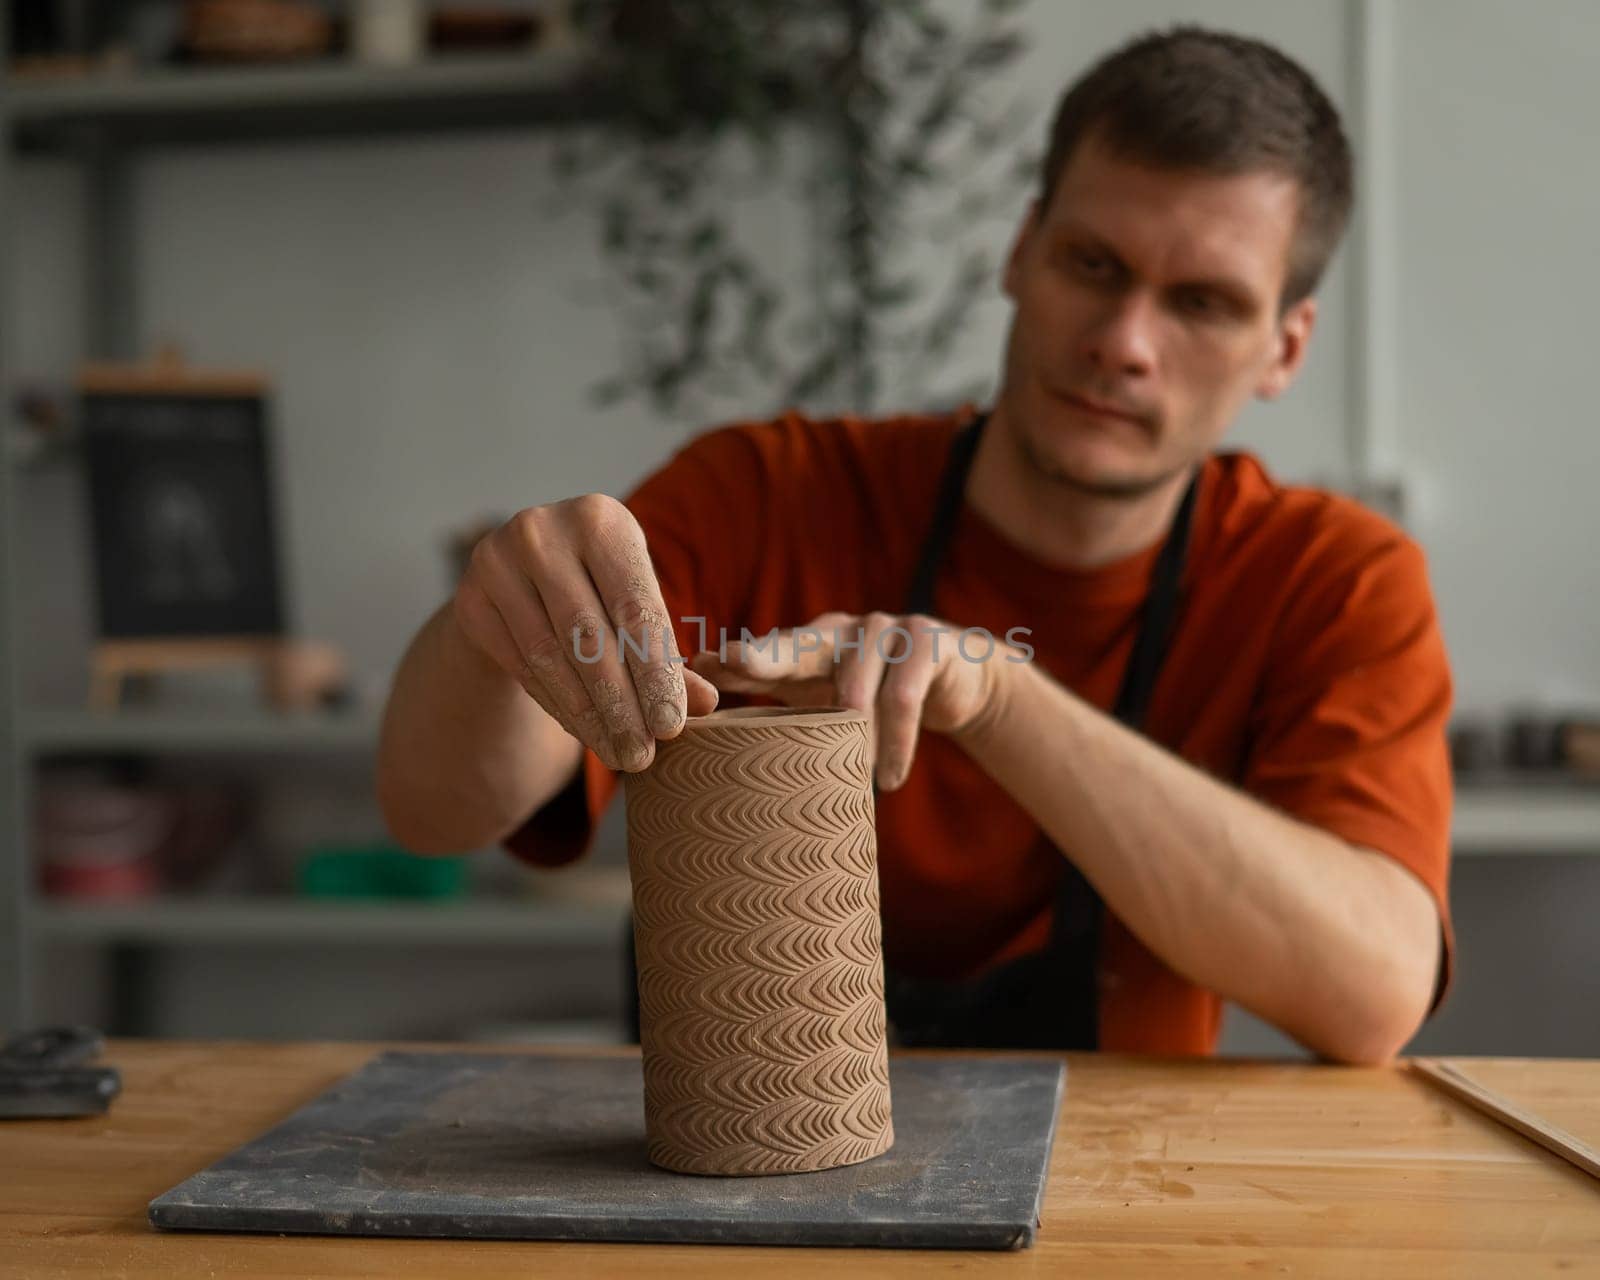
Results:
[553, 1148]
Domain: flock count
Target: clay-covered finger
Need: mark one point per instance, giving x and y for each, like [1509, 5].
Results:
[482, 622]
[700, 693]
[909, 674]
[618, 563]
[860, 667]
[542, 651]
[590, 651]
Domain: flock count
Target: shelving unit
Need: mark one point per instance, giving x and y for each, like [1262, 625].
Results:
[316, 100]
[1521, 817]
[580, 908]
[105, 123]
[66, 731]
[16, 948]
[254, 921]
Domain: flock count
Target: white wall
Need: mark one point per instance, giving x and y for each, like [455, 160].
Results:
[1499, 205]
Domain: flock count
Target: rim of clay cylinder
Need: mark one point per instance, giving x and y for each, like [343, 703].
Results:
[729, 716]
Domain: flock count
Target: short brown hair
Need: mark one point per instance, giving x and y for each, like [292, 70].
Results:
[1189, 98]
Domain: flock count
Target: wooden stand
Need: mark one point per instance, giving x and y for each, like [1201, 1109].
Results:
[167, 406]
[296, 675]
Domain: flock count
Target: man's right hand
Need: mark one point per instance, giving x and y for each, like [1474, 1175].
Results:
[564, 579]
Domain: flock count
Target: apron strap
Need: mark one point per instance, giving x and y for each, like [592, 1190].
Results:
[1157, 617]
[1049, 999]
[946, 510]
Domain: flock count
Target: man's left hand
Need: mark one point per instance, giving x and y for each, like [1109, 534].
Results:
[908, 671]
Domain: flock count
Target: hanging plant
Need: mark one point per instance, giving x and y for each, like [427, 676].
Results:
[905, 146]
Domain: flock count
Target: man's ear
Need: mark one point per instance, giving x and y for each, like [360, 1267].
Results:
[1013, 271]
[1293, 336]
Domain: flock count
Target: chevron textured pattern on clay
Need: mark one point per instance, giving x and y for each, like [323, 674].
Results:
[755, 893]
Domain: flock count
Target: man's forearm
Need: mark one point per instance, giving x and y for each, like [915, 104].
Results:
[465, 753]
[1334, 944]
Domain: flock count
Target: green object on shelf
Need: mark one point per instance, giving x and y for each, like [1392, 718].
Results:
[378, 871]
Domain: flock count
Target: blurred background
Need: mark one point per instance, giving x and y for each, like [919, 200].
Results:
[368, 274]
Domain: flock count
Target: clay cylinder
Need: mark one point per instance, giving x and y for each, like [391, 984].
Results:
[755, 897]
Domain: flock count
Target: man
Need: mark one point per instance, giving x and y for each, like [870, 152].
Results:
[1222, 776]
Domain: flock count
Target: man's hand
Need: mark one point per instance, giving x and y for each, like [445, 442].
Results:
[558, 581]
[907, 672]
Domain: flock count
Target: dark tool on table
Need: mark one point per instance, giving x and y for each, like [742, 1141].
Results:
[46, 1073]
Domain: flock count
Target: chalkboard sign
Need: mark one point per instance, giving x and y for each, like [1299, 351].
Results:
[180, 496]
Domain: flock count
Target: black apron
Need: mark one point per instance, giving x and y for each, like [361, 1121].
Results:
[1047, 999]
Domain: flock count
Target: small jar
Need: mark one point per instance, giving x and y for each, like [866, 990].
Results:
[389, 33]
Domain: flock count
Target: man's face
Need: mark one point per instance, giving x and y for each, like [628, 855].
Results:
[1147, 312]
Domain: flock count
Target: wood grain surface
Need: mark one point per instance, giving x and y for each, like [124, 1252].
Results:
[1161, 1168]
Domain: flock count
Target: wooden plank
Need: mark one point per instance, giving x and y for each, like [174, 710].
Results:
[1564, 1091]
[1461, 1080]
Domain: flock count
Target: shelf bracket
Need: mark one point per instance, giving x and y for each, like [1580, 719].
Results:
[111, 300]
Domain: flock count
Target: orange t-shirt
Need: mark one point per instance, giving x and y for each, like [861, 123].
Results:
[1306, 668]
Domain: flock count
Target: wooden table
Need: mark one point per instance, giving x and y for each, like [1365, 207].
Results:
[1160, 1168]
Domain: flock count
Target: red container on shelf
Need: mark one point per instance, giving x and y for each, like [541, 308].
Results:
[101, 840]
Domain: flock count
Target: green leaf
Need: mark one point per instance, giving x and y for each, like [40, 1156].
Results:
[993, 53]
[704, 238]
[616, 226]
[609, 391]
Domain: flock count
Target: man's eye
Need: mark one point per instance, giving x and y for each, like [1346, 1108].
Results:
[1089, 264]
[1200, 303]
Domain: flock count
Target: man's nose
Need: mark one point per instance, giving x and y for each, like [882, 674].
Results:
[1122, 342]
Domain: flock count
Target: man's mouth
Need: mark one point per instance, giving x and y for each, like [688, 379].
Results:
[1104, 409]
